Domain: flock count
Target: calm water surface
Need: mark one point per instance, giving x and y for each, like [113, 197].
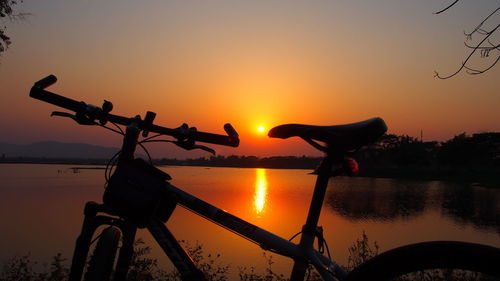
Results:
[41, 209]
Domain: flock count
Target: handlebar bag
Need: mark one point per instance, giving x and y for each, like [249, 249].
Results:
[137, 192]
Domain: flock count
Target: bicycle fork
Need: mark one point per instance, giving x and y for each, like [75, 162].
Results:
[90, 224]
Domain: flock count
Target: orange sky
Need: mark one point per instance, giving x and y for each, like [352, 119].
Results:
[248, 63]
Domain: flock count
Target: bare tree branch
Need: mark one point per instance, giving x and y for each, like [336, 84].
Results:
[451, 5]
[473, 71]
[492, 47]
[484, 50]
[478, 28]
[464, 64]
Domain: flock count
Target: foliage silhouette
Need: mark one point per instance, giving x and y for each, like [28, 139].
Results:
[24, 269]
[145, 268]
[361, 251]
[7, 11]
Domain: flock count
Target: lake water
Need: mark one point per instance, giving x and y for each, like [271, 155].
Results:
[41, 210]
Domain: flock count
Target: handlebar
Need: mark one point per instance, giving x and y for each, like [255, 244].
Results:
[92, 112]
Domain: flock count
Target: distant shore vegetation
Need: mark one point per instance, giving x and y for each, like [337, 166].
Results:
[467, 158]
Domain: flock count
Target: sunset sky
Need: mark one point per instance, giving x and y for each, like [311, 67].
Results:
[249, 63]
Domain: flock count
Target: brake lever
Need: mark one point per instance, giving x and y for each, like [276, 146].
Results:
[206, 148]
[80, 119]
[190, 146]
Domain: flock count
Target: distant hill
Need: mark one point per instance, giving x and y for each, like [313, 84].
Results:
[53, 149]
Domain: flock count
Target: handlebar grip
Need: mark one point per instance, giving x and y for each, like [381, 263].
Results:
[230, 130]
[46, 82]
[38, 92]
[233, 141]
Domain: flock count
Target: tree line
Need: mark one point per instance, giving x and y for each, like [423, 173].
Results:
[478, 150]
[471, 158]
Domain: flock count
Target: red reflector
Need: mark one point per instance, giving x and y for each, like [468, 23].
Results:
[351, 166]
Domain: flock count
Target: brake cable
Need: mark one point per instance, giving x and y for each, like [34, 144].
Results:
[322, 244]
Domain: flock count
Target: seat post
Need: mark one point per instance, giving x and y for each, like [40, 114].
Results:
[324, 172]
[309, 229]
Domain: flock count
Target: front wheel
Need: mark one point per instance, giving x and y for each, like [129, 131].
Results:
[102, 260]
[429, 255]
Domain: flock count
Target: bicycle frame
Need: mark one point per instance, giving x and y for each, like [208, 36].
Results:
[302, 253]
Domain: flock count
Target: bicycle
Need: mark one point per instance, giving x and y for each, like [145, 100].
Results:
[139, 195]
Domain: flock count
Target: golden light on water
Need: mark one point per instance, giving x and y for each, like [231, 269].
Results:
[260, 195]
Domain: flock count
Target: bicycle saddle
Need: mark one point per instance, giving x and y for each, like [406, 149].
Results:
[339, 137]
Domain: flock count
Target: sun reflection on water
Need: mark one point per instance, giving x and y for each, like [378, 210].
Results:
[260, 195]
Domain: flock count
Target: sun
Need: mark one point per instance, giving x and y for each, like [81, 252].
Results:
[261, 129]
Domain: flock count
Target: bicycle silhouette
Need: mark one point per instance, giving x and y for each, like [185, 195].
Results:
[139, 195]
